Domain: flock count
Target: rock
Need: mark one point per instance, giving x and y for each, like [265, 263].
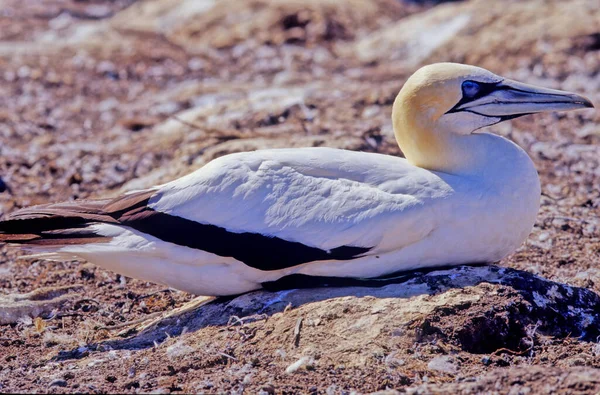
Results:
[476, 309]
[267, 389]
[444, 364]
[58, 383]
[61, 21]
[179, 349]
[302, 363]
[98, 11]
[14, 307]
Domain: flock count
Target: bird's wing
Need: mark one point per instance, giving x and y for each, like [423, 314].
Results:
[269, 209]
[279, 208]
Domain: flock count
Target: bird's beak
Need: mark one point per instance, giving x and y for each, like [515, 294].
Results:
[510, 99]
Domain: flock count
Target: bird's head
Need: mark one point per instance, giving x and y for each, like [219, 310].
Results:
[444, 100]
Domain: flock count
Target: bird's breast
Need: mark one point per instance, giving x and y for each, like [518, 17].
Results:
[500, 205]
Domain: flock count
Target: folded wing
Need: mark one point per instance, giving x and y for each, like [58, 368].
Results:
[269, 211]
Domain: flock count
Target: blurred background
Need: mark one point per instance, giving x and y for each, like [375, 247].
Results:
[102, 96]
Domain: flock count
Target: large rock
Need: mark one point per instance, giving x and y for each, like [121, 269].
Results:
[476, 309]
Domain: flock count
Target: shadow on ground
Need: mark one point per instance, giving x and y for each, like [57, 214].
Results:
[479, 309]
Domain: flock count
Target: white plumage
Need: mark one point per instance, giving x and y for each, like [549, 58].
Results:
[249, 218]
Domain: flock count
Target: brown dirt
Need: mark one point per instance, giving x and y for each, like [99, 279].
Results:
[98, 97]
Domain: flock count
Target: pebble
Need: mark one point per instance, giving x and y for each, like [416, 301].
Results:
[23, 71]
[58, 383]
[544, 236]
[98, 11]
[443, 364]
[3, 186]
[267, 389]
[61, 21]
[304, 362]
[196, 64]
[161, 391]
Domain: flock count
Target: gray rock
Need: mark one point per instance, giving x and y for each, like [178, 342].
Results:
[58, 383]
[444, 364]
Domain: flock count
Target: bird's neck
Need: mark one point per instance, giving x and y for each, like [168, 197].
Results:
[435, 150]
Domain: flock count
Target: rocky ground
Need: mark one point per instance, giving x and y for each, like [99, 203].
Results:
[102, 96]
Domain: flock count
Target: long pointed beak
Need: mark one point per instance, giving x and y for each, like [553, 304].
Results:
[510, 99]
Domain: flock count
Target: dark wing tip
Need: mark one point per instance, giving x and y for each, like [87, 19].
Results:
[62, 223]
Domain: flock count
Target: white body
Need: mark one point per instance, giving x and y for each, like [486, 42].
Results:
[322, 197]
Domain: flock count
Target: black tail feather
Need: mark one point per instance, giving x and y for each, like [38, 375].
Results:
[64, 223]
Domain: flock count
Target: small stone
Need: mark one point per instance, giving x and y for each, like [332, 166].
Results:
[393, 361]
[61, 21]
[161, 391]
[58, 383]
[3, 186]
[106, 67]
[98, 11]
[9, 76]
[24, 71]
[196, 64]
[443, 364]
[304, 362]
[108, 104]
[267, 389]
[544, 236]
[577, 362]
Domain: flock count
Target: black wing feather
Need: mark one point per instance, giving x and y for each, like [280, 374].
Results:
[38, 225]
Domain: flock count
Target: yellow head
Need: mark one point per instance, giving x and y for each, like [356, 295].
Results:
[441, 102]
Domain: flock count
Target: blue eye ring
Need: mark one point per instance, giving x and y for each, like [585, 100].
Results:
[470, 88]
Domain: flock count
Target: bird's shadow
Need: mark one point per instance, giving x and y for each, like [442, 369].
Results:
[563, 309]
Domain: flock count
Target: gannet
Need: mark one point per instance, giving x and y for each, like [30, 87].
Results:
[460, 196]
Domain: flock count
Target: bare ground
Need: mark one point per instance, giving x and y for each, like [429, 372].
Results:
[98, 97]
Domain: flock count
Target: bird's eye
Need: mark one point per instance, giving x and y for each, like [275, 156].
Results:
[470, 89]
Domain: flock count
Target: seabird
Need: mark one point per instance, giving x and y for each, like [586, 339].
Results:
[461, 196]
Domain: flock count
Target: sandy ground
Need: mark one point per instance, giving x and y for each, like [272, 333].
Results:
[99, 97]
